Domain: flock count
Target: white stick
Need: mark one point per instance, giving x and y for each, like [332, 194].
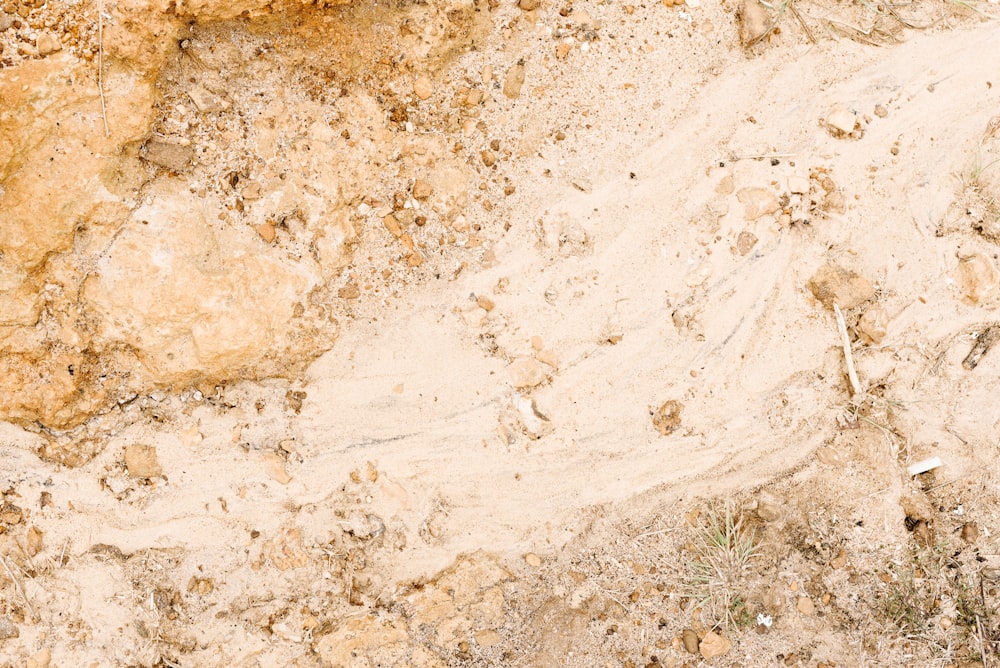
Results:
[851, 373]
[100, 63]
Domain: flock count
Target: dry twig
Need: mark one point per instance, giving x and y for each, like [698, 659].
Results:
[851, 373]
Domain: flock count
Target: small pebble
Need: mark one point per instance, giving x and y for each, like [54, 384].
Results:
[274, 466]
[690, 640]
[667, 418]
[713, 645]
[514, 81]
[8, 629]
[423, 88]
[266, 232]
[47, 43]
[422, 190]
[532, 560]
[978, 277]
[872, 325]
[486, 638]
[526, 372]
[754, 22]
[805, 605]
[841, 121]
[745, 242]
[757, 202]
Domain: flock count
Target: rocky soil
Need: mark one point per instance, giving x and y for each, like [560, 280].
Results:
[464, 333]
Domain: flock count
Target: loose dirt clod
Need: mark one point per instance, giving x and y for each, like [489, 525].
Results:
[667, 418]
[832, 284]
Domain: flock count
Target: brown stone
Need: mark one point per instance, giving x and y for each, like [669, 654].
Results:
[422, 190]
[690, 640]
[392, 225]
[529, 5]
[10, 514]
[33, 541]
[141, 461]
[349, 291]
[266, 232]
[970, 532]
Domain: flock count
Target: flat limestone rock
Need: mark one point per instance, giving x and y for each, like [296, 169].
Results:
[170, 156]
[194, 300]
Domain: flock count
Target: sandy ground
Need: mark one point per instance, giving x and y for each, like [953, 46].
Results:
[485, 468]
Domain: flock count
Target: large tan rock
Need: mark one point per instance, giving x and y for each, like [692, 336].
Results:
[194, 298]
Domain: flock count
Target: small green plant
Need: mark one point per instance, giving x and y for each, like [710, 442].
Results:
[723, 550]
[904, 605]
